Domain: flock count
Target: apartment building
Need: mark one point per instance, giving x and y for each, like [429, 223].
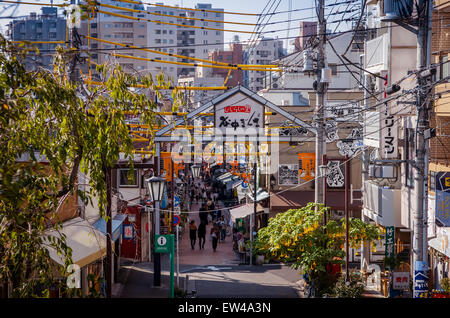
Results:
[308, 30]
[232, 56]
[188, 41]
[261, 52]
[165, 32]
[47, 26]
[116, 29]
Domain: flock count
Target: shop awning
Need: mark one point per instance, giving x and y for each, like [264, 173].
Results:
[260, 195]
[87, 243]
[116, 226]
[441, 242]
[224, 176]
[244, 210]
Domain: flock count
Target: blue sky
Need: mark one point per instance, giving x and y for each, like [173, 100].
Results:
[247, 6]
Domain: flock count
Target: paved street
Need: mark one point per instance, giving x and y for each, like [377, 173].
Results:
[212, 274]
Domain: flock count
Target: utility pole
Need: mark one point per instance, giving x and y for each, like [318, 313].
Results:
[320, 103]
[424, 10]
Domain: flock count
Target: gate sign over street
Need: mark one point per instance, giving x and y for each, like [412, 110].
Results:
[164, 243]
[239, 115]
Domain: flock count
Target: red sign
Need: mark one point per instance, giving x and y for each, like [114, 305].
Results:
[238, 109]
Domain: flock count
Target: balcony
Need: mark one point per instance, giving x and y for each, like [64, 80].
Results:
[382, 205]
[376, 57]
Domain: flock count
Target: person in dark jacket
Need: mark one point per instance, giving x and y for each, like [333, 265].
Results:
[193, 233]
[215, 237]
[201, 234]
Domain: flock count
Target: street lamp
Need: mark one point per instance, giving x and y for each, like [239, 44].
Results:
[195, 171]
[156, 187]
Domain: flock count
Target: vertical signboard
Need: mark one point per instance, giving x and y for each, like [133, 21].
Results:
[442, 216]
[306, 165]
[420, 280]
[389, 129]
[390, 245]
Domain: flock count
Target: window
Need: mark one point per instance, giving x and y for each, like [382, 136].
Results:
[217, 14]
[157, 31]
[125, 179]
[217, 32]
[171, 41]
[333, 68]
[141, 36]
[107, 25]
[94, 25]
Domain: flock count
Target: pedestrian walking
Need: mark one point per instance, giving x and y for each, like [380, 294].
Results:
[222, 228]
[193, 233]
[215, 237]
[201, 235]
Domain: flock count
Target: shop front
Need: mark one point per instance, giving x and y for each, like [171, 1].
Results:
[88, 252]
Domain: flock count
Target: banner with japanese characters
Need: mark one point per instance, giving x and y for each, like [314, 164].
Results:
[239, 115]
[390, 244]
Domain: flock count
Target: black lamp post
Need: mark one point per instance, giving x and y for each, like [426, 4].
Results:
[156, 187]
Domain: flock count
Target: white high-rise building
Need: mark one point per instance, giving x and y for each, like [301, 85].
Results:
[164, 37]
[260, 52]
[187, 41]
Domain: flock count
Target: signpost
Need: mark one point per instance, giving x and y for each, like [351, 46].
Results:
[165, 244]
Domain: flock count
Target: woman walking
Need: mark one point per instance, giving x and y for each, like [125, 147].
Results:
[215, 236]
[193, 233]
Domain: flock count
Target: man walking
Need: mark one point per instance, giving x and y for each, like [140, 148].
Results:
[201, 235]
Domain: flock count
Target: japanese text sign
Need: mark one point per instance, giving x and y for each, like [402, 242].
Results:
[239, 115]
[442, 208]
[390, 242]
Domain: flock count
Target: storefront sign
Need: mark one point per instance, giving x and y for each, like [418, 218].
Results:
[400, 280]
[335, 174]
[306, 165]
[442, 181]
[128, 232]
[420, 280]
[389, 139]
[390, 243]
[288, 174]
[442, 208]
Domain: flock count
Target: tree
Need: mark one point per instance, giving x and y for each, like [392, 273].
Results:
[300, 237]
[76, 128]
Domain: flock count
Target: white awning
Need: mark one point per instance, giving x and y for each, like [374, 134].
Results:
[441, 242]
[244, 210]
[87, 243]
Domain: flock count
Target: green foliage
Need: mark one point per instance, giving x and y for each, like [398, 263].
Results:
[353, 288]
[75, 129]
[299, 236]
[445, 283]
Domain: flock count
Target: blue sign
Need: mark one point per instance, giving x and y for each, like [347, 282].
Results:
[420, 280]
[442, 181]
[176, 220]
[176, 201]
[442, 208]
[244, 184]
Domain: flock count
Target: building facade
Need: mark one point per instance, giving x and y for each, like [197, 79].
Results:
[48, 26]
